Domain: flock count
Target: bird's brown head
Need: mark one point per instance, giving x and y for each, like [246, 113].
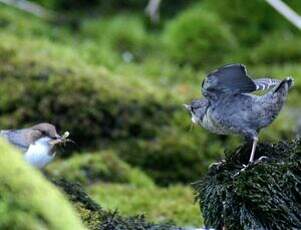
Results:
[46, 129]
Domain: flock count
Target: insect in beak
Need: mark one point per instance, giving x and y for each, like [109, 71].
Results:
[188, 107]
[60, 139]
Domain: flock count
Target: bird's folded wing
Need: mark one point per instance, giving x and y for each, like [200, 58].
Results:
[266, 83]
[232, 79]
[16, 138]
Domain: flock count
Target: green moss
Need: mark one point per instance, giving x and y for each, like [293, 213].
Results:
[250, 28]
[173, 155]
[198, 37]
[27, 201]
[88, 168]
[264, 196]
[98, 219]
[23, 24]
[174, 203]
[285, 48]
[107, 36]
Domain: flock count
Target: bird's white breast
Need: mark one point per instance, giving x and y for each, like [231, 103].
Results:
[209, 123]
[39, 153]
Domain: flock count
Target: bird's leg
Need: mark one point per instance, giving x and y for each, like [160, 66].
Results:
[217, 164]
[251, 160]
[255, 140]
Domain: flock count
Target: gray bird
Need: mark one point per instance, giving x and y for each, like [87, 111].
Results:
[37, 142]
[229, 108]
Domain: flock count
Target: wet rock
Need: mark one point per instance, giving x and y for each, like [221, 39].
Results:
[264, 196]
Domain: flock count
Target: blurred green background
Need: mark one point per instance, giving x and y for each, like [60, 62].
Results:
[117, 81]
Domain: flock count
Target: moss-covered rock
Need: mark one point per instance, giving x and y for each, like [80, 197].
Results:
[105, 166]
[198, 37]
[56, 85]
[264, 196]
[27, 200]
[96, 218]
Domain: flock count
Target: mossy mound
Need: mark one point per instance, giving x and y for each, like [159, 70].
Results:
[198, 37]
[105, 166]
[27, 201]
[96, 218]
[264, 196]
[176, 202]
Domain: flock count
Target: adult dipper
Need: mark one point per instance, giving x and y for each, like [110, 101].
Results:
[37, 142]
[229, 108]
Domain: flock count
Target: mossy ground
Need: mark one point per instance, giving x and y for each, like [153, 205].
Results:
[96, 218]
[27, 200]
[105, 166]
[111, 182]
[157, 204]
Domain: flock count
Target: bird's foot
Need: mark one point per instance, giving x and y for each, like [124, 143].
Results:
[260, 159]
[245, 166]
[216, 164]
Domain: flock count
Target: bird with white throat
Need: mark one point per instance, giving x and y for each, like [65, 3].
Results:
[37, 143]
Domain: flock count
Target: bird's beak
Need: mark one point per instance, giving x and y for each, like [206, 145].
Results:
[188, 107]
[56, 141]
[60, 139]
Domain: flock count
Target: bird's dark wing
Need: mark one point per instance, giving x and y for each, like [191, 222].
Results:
[266, 83]
[17, 138]
[230, 79]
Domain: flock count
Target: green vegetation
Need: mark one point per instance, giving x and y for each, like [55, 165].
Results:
[89, 168]
[158, 204]
[95, 218]
[27, 201]
[251, 21]
[192, 39]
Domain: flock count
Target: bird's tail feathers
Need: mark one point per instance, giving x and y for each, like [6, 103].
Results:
[289, 81]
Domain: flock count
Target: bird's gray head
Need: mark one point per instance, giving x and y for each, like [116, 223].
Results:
[45, 130]
[197, 109]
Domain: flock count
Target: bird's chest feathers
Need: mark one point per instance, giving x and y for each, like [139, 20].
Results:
[39, 154]
[211, 123]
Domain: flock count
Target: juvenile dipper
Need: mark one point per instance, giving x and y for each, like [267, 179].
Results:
[229, 108]
[37, 142]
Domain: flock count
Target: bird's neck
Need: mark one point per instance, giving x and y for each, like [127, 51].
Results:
[41, 146]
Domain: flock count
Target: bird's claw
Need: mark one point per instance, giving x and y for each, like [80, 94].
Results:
[216, 164]
[245, 166]
[260, 159]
